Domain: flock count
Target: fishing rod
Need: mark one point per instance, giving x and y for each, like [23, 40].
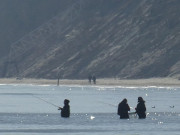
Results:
[111, 104]
[116, 106]
[45, 101]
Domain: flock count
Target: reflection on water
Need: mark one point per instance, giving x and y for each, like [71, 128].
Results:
[96, 122]
[93, 110]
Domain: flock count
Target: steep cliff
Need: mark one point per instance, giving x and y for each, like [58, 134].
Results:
[117, 38]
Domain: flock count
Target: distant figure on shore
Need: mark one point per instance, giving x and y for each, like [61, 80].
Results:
[141, 108]
[123, 109]
[90, 78]
[94, 79]
[65, 111]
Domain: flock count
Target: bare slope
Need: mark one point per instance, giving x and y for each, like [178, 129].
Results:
[128, 39]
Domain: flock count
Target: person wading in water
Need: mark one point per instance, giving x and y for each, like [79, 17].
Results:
[123, 109]
[141, 108]
[65, 111]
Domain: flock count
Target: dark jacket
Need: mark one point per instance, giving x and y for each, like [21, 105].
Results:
[65, 111]
[141, 110]
[123, 109]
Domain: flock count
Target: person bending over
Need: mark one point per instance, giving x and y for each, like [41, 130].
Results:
[123, 109]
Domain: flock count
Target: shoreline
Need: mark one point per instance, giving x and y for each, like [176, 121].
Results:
[157, 82]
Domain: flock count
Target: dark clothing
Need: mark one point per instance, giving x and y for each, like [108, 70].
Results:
[141, 110]
[123, 109]
[65, 111]
[94, 79]
[89, 78]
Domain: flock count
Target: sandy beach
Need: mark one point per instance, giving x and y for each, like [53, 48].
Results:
[166, 82]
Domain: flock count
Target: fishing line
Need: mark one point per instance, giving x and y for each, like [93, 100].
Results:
[108, 104]
[45, 101]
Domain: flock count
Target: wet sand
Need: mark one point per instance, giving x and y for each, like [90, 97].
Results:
[166, 82]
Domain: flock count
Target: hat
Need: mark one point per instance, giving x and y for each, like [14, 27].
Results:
[140, 99]
[66, 101]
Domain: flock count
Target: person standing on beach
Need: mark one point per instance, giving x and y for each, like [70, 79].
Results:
[65, 111]
[94, 79]
[141, 108]
[89, 78]
[123, 109]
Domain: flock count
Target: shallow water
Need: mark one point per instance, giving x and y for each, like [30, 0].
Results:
[30, 109]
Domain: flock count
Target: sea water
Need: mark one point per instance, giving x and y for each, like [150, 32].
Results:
[32, 110]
